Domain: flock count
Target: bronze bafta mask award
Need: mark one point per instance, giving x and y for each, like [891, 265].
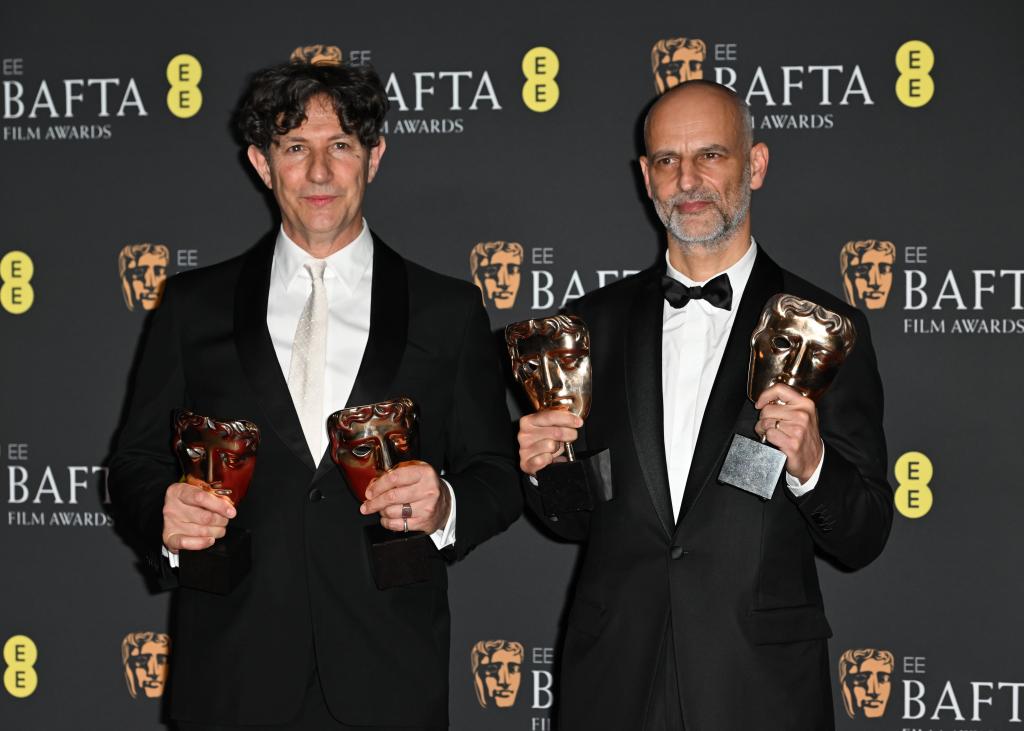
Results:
[802, 345]
[367, 442]
[551, 361]
[220, 458]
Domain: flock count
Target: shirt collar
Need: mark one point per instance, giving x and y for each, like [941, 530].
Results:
[739, 273]
[348, 265]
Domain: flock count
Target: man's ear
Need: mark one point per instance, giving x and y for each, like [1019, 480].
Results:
[645, 169]
[376, 153]
[758, 165]
[261, 164]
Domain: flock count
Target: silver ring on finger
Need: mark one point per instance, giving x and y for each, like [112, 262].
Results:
[406, 510]
[405, 525]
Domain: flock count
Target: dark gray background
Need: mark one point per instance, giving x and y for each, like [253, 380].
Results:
[945, 176]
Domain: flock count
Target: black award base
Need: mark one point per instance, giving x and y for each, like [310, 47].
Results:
[573, 487]
[398, 559]
[752, 466]
[219, 568]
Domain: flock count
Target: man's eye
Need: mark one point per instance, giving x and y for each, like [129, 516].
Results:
[885, 268]
[861, 271]
[363, 450]
[489, 271]
[569, 362]
[294, 148]
[514, 667]
[491, 671]
[781, 342]
[341, 145]
[859, 678]
[711, 155]
[195, 452]
[666, 161]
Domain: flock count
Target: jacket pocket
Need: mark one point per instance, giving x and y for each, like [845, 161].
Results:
[587, 617]
[787, 624]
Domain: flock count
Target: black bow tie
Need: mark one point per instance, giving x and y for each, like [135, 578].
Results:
[718, 292]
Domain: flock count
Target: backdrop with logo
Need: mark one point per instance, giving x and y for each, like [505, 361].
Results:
[511, 161]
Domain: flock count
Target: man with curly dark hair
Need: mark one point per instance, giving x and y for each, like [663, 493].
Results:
[316, 317]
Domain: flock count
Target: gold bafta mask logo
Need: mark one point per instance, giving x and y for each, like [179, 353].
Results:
[497, 672]
[496, 268]
[317, 54]
[866, 267]
[143, 270]
[675, 60]
[865, 677]
[144, 656]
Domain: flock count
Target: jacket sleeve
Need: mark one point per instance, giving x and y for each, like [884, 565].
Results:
[480, 458]
[142, 465]
[850, 511]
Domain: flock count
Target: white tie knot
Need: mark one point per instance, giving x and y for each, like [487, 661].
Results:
[316, 269]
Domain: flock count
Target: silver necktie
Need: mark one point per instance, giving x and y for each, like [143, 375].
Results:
[309, 361]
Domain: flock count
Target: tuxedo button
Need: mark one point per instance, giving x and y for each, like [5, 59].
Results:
[315, 495]
[677, 552]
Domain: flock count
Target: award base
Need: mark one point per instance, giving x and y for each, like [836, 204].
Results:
[574, 487]
[752, 466]
[398, 559]
[219, 568]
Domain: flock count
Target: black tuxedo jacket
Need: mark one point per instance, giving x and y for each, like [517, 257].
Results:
[733, 583]
[382, 656]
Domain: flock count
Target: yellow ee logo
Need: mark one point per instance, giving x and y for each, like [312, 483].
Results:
[913, 473]
[16, 294]
[540, 67]
[20, 678]
[184, 98]
[914, 61]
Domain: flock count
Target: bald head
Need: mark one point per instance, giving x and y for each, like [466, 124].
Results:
[702, 93]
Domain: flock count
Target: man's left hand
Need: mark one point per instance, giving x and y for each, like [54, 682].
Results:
[415, 484]
[790, 422]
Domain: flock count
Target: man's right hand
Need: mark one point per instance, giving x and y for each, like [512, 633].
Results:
[542, 438]
[193, 518]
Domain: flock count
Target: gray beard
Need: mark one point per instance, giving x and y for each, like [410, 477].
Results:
[715, 239]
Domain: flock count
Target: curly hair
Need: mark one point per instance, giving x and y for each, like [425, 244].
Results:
[274, 103]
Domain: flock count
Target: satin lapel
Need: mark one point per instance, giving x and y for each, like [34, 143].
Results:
[389, 329]
[729, 392]
[256, 351]
[644, 392]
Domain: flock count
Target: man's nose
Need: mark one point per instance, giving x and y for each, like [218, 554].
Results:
[149, 277]
[689, 179]
[151, 669]
[503, 677]
[873, 278]
[319, 167]
[503, 278]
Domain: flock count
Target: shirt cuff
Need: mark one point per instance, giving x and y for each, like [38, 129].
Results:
[172, 558]
[800, 489]
[444, 537]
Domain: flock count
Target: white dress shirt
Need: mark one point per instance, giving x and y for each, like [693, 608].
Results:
[348, 280]
[693, 340]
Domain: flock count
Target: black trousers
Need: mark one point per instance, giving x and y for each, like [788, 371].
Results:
[314, 717]
[664, 711]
